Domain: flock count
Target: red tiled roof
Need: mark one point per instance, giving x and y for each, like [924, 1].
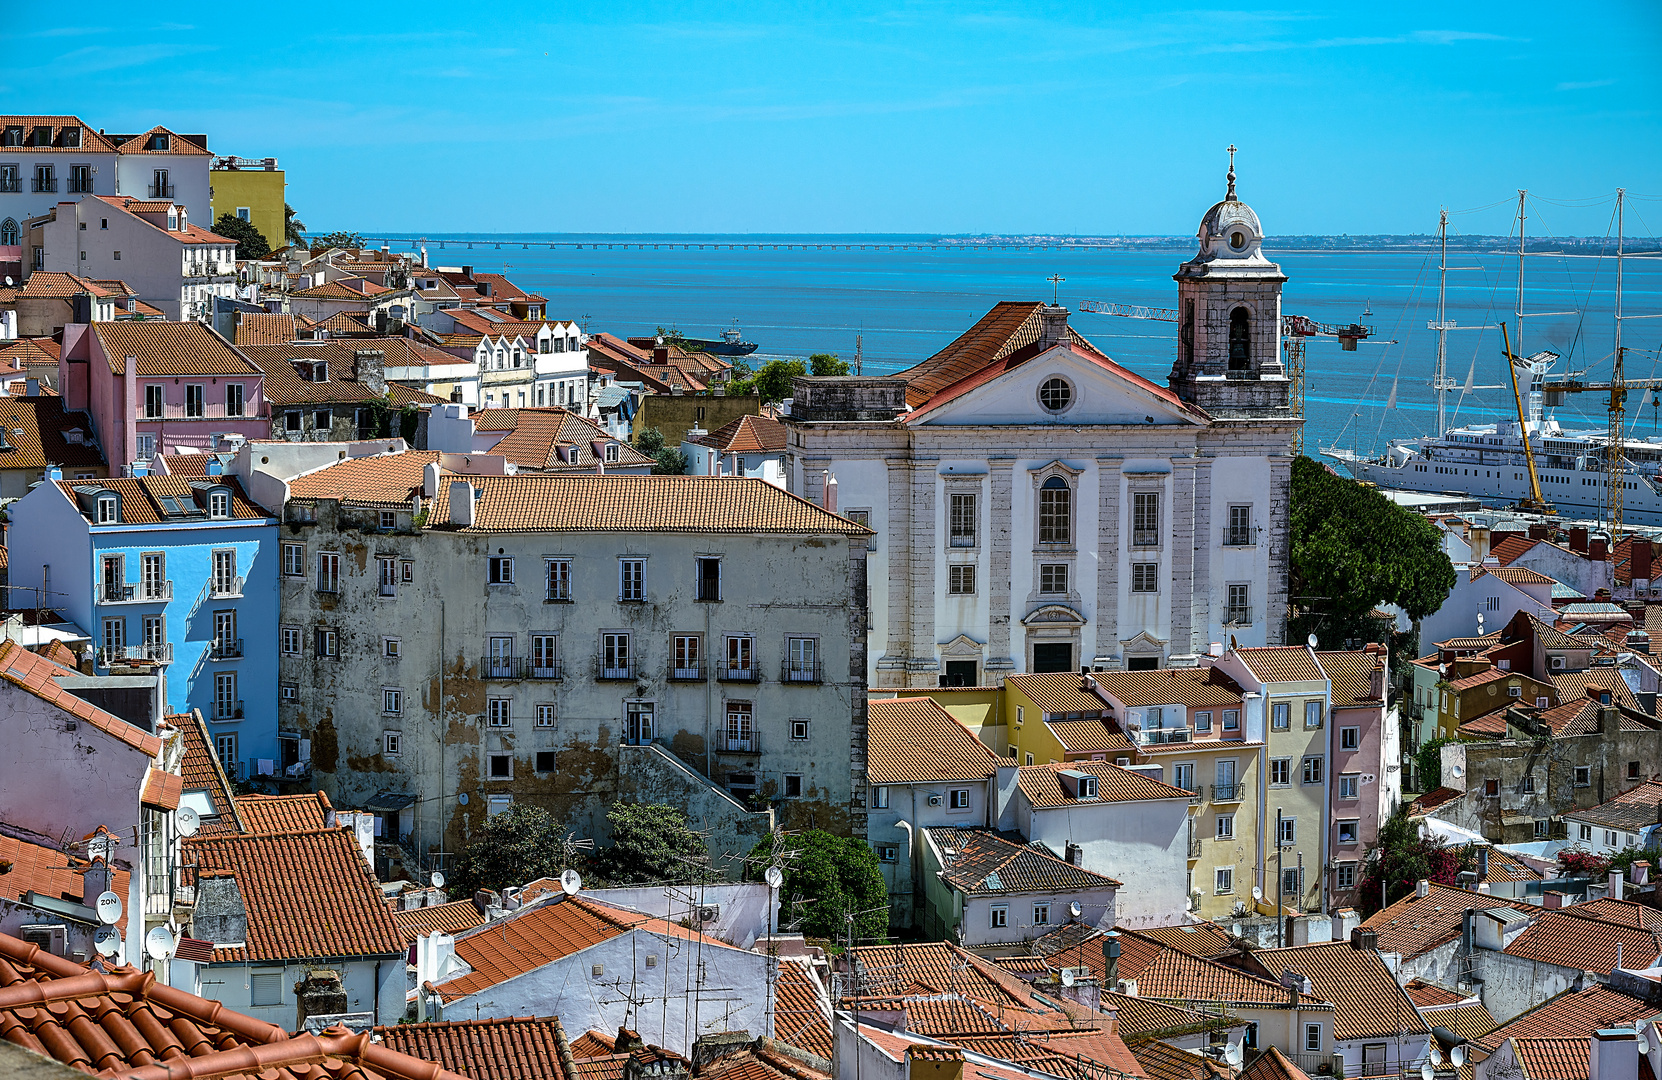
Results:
[38, 676]
[1088, 736]
[379, 479]
[176, 144]
[1165, 973]
[161, 790]
[1272, 1064]
[200, 770]
[1553, 1059]
[1572, 1014]
[1572, 938]
[141, 498]
[308, 895]
[747, 435]
[452, 918]
[1196, 687]
[915, 741]
[1508, 550]
[285, 813]
[1367, 1002]
[1282, 663]
[1632, 809]
[981, 863]
[536, 436]
[1425, 993]
[801, 1016]
[35, 867]
[1197, 939]
[35, 428]
[126, 1023]
[341, 289]
[264, 328]
[1431, 800]
[170, 348]
[89, 141]
[1006, 327]
[1163, 1061]
[511, 1048]
[1043, 787]
[1415, 924]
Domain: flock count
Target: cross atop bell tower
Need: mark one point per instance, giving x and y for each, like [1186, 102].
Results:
[1231, 177]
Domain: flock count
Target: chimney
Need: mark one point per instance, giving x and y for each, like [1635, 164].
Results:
[319, 994]
[369, 368]
[1422, 888]
[1376, 679]
[80, 306]
[1053, 326]
[1598, 549]
[215, 467]
[1639, 564]
[1639, 873]
[31, 388]
[1345, 922]
[461, 503]
[1111, 958]
[430, 479]
[1483, 863]
[1552, 900]
[1363, 940]
[1578, 538]
[1615, 885]
[1540, 532]
[1614, 1054]
[467, 272]
[1294, 982]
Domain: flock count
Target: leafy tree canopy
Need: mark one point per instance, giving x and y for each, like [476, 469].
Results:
[521, 844]
[1402, 858]
[338, 239]
[294, 230]
[670, 461]
[649, 441]
[827, 364]
[1353, 549]
[650, 843]
[833, 877]
[1428, 763]
[250, 243]
[773, 380]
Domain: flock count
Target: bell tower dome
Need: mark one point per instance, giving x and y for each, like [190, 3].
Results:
[1229, 318]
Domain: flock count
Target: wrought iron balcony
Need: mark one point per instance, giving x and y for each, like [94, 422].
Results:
[79, 187]
[617, 672]
[226, 587]
[225, 649]
[1145, 538]
[552, 670]
[692, 671]
[1194, 846]
[749, 745]
[161, 653]
[161, 191]
[502, 667]
[802, 671]
[1240, 536]
[11, 185]
[1228, 792]
[1237, 616]
[730, 673]
[227, 710]
[48, 183]
[1164, 736]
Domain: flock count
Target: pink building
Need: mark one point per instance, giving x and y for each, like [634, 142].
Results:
[1365, 772]
[153, 387]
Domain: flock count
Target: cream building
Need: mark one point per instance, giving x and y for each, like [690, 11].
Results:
[1038, 507]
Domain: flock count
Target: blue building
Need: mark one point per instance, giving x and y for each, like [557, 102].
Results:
[171, 571]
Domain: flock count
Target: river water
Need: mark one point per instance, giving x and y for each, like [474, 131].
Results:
[909, 303]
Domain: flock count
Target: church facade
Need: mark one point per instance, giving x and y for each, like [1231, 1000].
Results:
[1038, 507]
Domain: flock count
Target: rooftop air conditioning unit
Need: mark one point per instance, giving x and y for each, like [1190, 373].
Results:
[709, 914]
[1557, 662]
[934, 800]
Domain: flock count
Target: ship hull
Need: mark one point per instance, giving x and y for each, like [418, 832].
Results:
[723, 348]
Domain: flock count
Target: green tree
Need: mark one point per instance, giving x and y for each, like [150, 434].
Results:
[649, 441]
[250, 243]
[294, 230]
[827, 364]
[670, 461]
[833, 877]
[773, 381]
[1428, 763]
[521, 844]
[650, 843]
[337, 239]
[1353, 549]
[1402, 857]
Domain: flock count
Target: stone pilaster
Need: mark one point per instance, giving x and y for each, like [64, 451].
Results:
[922, 663]
[1278, 522]
[1208, 538]
[1109, 509]
[1182, 555]
[898, 535]
[999, 613]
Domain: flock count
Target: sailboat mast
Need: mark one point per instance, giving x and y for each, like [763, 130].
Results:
[1441, 378]
[1618, 392]
[1519, 308]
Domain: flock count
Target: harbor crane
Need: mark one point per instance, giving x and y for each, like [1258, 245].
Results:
[1294, 330]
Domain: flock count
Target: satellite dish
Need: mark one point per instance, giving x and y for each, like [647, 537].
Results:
[1435, 1053]
[109, 908]
[1457, 1055]
[774, 876]
[462, 798]
[1427, 1072]
[570, 882]
[1067, 976]
[107, 941]
[1257, 893]
[1643, 1043]
[1232, 1055]
[1074, 909]
[437, 879]
[1458, 771]
[187, 820]
[1312, 640]
[159, 943]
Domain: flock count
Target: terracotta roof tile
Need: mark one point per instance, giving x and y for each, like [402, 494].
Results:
[1553, 1059]
[58, 285]
[170, 348]
[755, 1064]
[1572, 685]
[1513, 575]
[1632, 809]
[1282, 663]
[1272, 1064]
[1197, 939]
[1415, 924]
[1470, 1022]
[1139, 1018]
[452, 918]
[1195, 687]
[161, 790]
[915, 741]
[1571, 1015]
[36, 867]
[802, 1015]
[285, 813]
[1163, 1061]
[1058, 692]
[1431, 800]
[142, 498]
[308, 895]
[1043, 787]
[1425, 994]
[1089, 1053]
[38, 676]
[937, 967]
[284, 385]
[200, 770]
[512, 1048]
[379, 479]
[341, 289]
[1088, 736]
[126, 1023]
[536, 437]
[265, 328]
[89, 140]
[36, 429]
[1006, 327]
[696, 504]
[177, 144]
[1351, 674]
[1170, 975]
[1508, 550]
[191, 233]
[1367, 1002]
[1573, 938]
[747, 435]
[981, 863]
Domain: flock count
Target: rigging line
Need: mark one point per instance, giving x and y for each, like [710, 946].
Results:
[1367, 391]
[1488, 319]
[1491, 206]
[1402, 354]
[1581, 320]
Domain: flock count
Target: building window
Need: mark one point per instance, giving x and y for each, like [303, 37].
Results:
[631, 580]
[793, 785]
[1583, 776]
[1223, 880]
[961, 521]
[887, 852]
[323, 420]
[501, 570]
[291, 421]
[294, 560]
[861, 518]
[291, 639]
[557, 577]
[1055, 394]
[1239, 532]
[1053, 578]
[1313, 769]
[1238, 607]
[1346, 876]
[194, 401]
[959, 799]
[391, 648]
[1281, 716]
[1055, 512]
[1145, 519]
[1348, 831]
[708, 580]
[999, 917]
[392, 743]
[739, 657]
[1145, 577]
[545, 661]
[219, 504]
[226, 705]
[1543, 828]
[233, 399]
[614, 656]
[960, 579]
[289, 692]
[741, 729]
[1029, 760]
[1529, 783]
[545, 715]
[153, 407]
[1350, 738]
[638, 719]
[1289, 831]
[265, 988]
[225, 749]
[499, 804]
[1226, 827]
[392, 701]
[799, 730]
[328, 571]
[406, 571]
[1281, 771]
[802, 660]
[1232, 719]
[1633, 770]
[1240, 342]
[327, 642]
[688, 660]
[1041, 914]
[1312, 715]
[1203, 722]
[1586, 832]
[1491, 789]
[145, 447]
[225, 581]
[1349, 785]
[109, 510]
[880, 798]
[498, 712]
[545, 761]
[387, 576]
[389, 520]
[501, 767]
[611, 453]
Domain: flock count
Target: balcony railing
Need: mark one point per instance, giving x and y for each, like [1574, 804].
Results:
[328, 583]
[1227, 792]
[223, 587]
[1145, 538]
[49, 183]
[1163, 736]
[227, 710]
[1194, 846]
[1196, 794]
[802, 671]
[119, 593]
[225, 649]
[693, 672]
[552, 670]
[729, 673]
[1237, 616]
[1240, 536]
[618, 673]
[161, 191]
[118, 654]
[11, 185]
[502, 667]
[741, 746]
[79, 187]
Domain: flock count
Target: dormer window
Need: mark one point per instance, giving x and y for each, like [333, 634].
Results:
[43, 136]
[109, 509]
[172, 221]
[611, 452]
[159, 141]
[70, 136]
[1087, 787]
[1604, 697]
[12, 136]
[219, 504]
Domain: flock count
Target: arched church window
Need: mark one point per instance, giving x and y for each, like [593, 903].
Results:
[1240, 340]
[8, 233]
[1055, 512]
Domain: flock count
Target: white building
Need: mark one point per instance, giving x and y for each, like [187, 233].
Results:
[1631, 819]
[44, 158]
[173, 264]
[748, 446]
[1053, 508]
[985, 890]
[1494, 592]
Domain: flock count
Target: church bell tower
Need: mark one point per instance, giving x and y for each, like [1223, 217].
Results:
[1229, 318]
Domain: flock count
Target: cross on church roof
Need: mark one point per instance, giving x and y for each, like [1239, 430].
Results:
[1231, 196]
[1056, 288]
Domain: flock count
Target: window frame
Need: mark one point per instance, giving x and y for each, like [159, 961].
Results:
[962, 519]
[631, 579]
[1350, 738]
[499, 570]
[1054, 522]
[1223, 880]
[958, 800]
[998, 917]
[960, 579]
[1350, 827]
[1145, 519]
[1049, 573]
[1313, 710]
[1313, 771]
[556, 579]
[1145, 578]
[1284, 766]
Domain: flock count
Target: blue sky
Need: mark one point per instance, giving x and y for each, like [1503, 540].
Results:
[905, 117]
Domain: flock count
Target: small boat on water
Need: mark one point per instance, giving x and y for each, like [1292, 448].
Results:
[732, 343]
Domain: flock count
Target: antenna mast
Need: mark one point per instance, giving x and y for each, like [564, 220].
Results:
[1518, 310]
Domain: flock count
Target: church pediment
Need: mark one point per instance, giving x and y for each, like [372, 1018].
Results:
[1144, 642]
[962, 645]
[1054, 615]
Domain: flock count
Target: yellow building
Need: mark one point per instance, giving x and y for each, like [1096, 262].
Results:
[978, 708]
[1055, 716]
[252, 190]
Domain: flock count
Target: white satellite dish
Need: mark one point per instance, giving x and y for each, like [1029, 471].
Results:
[109, 908]
[107, 941]
[187, 820]
[1257, 893]
[570, 882]
[437, 879]
[1457, 1055]
[1312, 640]
[1427, 1072]
[1074, 909]
[1067, 976]
[1643, 1043]
[1232, 1055]
[1435, 1053]
[1458, 771]
[774, 876]
[159, 943]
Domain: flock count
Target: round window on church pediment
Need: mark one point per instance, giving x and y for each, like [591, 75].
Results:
[1237, 240]
[1055, 394]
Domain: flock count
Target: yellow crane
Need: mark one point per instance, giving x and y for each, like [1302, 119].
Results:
[1536, 502]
